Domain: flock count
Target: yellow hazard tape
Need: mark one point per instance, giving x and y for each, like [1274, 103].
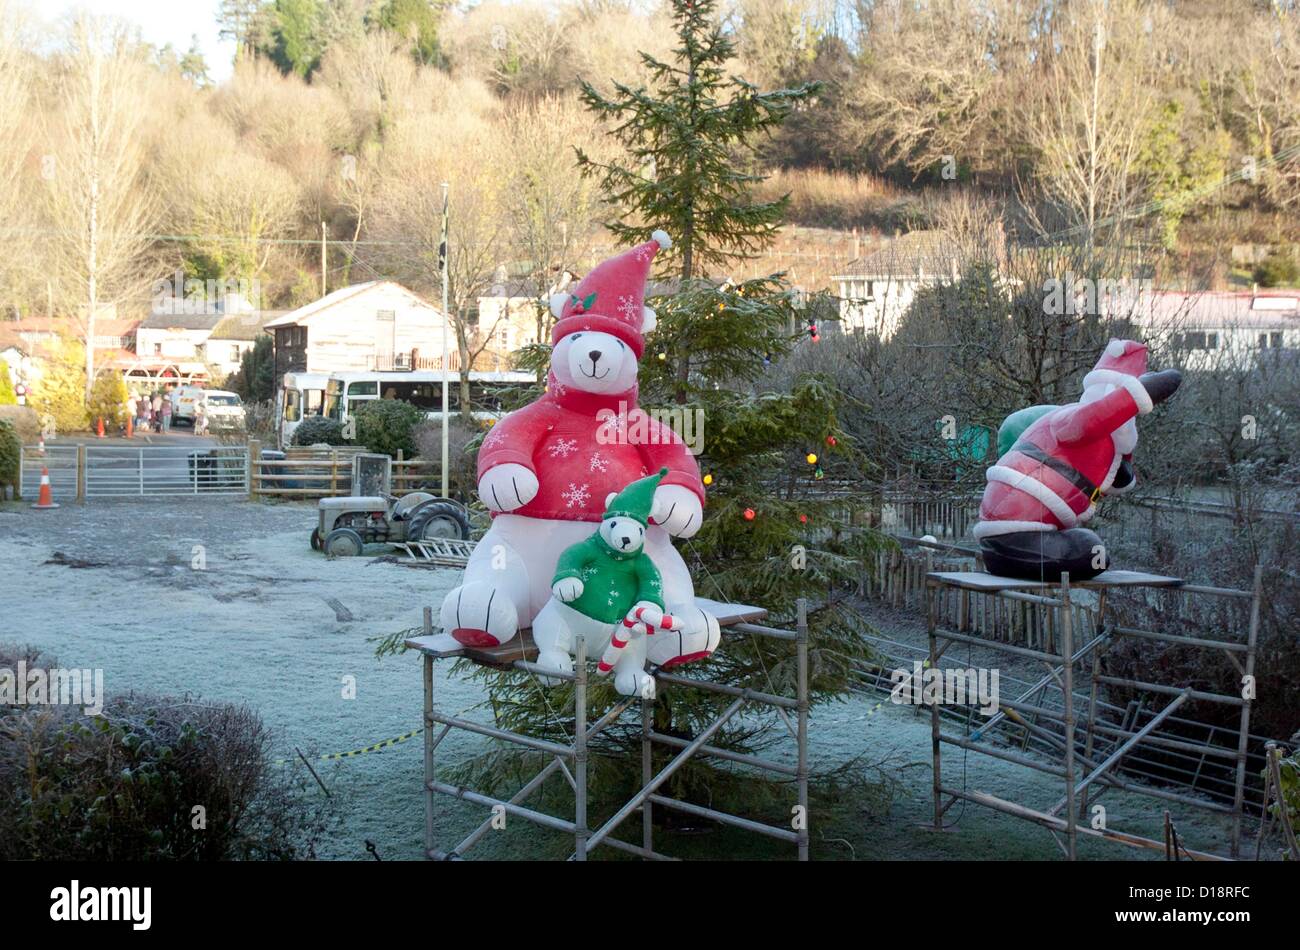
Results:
[330, 756]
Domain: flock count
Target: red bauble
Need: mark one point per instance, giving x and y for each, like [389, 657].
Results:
[803, 519]
[749, 514]
[831, 440]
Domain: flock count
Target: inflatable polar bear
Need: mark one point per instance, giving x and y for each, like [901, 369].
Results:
[545, 471]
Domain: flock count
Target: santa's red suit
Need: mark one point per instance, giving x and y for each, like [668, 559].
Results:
[588, 445]
[1053, 476]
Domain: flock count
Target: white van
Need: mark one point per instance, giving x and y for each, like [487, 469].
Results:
[184, 400]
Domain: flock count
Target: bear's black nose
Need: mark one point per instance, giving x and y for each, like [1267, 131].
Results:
[594, 355]
[626, 541]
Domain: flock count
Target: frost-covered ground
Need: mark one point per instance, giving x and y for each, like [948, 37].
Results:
[264, 622]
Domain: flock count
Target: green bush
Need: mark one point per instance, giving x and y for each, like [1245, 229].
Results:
[387, 425]
[1279, 269]
[316, 429]
[9, 456]
[125, 785]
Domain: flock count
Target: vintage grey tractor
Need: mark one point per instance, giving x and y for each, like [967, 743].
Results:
[349, 523]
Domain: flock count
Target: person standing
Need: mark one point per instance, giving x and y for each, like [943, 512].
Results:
[131, 409]
[166, 415]
[201, 417]
[157, 411]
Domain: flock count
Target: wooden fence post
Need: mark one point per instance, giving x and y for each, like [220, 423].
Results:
[81, 473]
[254, 460]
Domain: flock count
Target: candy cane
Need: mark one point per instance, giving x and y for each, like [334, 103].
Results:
[630, 629]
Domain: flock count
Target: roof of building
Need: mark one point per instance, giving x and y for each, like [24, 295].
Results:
[244, 326]
[1270, 310]
[341, 296]
[181, 320]
[914, 254]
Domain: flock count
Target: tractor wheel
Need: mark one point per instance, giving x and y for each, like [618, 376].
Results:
[438, 520]
[343, 542]
[315, 539]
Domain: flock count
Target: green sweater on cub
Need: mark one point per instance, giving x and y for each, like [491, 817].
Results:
[612, 582]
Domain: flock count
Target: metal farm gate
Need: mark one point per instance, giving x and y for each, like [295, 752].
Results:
[106, 471]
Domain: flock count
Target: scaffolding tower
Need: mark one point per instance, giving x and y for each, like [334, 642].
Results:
[570, 759]
[1086, 742]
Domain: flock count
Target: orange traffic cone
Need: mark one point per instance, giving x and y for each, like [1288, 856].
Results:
[99, 429]
[41, 448]
[46, 499]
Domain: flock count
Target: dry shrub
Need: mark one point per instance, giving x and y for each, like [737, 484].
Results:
[833, 199]
[124, 786]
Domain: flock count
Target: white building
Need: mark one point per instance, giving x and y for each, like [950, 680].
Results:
[378, 325]
[876, 290]
[1205, 329]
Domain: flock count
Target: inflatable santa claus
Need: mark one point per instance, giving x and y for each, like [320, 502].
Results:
[545, 471]
[1046, 486]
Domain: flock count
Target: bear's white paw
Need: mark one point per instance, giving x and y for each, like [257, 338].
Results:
[677, 510]
[479, 615]
[635, 683]
[507, 486]
[698, 637]
[556, 660]
[567, 589]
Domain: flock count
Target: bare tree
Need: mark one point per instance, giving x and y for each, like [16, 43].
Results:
[550, 206]
[1096, 93]
[406, 219]
[98, 212]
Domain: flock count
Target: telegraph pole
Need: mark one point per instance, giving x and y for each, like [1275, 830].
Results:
[442, 254]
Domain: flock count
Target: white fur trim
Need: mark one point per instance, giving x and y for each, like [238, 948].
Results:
[662, 239]
[987, 529]
[1110, 476]
[1036, 490]
[557, 303]
[1115, 349]
[1131, 383]
[649, 320]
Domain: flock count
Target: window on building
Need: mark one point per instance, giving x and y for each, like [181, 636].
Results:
[1270, 340]
[236, 353]
[1200, 340]
[157, 349]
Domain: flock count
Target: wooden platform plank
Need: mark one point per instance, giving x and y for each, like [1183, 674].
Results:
[991, 583]
[444, 645]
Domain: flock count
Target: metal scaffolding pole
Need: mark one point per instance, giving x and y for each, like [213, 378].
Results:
[1124, 741]
[515, 657]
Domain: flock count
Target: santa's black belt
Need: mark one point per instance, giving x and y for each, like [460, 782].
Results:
[1064, 469]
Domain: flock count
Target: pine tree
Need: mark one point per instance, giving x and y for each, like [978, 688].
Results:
[689, 141]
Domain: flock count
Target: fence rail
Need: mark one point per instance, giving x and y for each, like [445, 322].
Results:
[87, 471]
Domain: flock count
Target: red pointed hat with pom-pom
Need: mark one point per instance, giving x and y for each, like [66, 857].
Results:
[1121, 358]
[611, 298]
[1122, 362]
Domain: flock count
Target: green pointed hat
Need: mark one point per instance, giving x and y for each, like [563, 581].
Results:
[635, 500]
